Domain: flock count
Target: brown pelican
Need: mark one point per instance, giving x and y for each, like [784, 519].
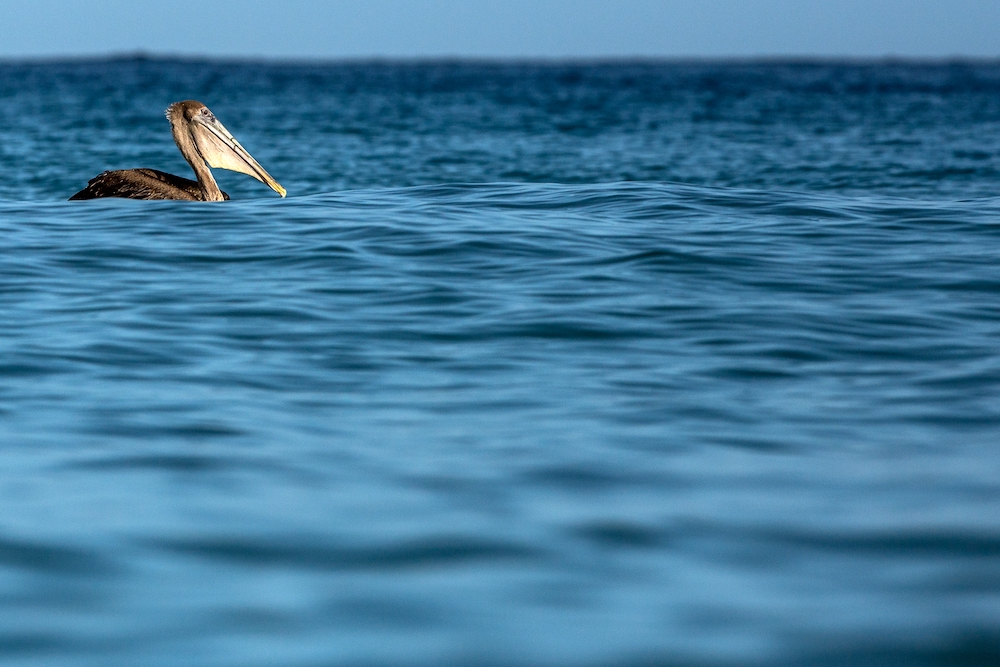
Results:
[204, 142]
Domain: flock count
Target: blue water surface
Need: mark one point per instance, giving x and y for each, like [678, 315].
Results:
[631, 364]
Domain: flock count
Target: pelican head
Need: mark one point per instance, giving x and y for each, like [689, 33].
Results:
[202, 138]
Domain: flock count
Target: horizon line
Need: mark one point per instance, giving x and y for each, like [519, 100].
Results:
[150, 56]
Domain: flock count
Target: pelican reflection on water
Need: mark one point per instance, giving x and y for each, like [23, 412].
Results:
[204, 142]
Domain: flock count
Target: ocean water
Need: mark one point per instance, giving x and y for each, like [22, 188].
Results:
[571, 364]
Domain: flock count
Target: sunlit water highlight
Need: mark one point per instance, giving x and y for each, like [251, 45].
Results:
[469, 396]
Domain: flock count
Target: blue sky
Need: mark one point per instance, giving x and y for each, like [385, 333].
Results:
[515, 28]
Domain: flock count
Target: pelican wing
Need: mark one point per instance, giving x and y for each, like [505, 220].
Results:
[221, 151]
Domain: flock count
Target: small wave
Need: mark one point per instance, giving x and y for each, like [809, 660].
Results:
[309, 554]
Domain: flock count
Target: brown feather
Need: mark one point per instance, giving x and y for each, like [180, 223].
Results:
[141, 184]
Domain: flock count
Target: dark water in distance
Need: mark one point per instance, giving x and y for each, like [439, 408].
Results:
[611, 364]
